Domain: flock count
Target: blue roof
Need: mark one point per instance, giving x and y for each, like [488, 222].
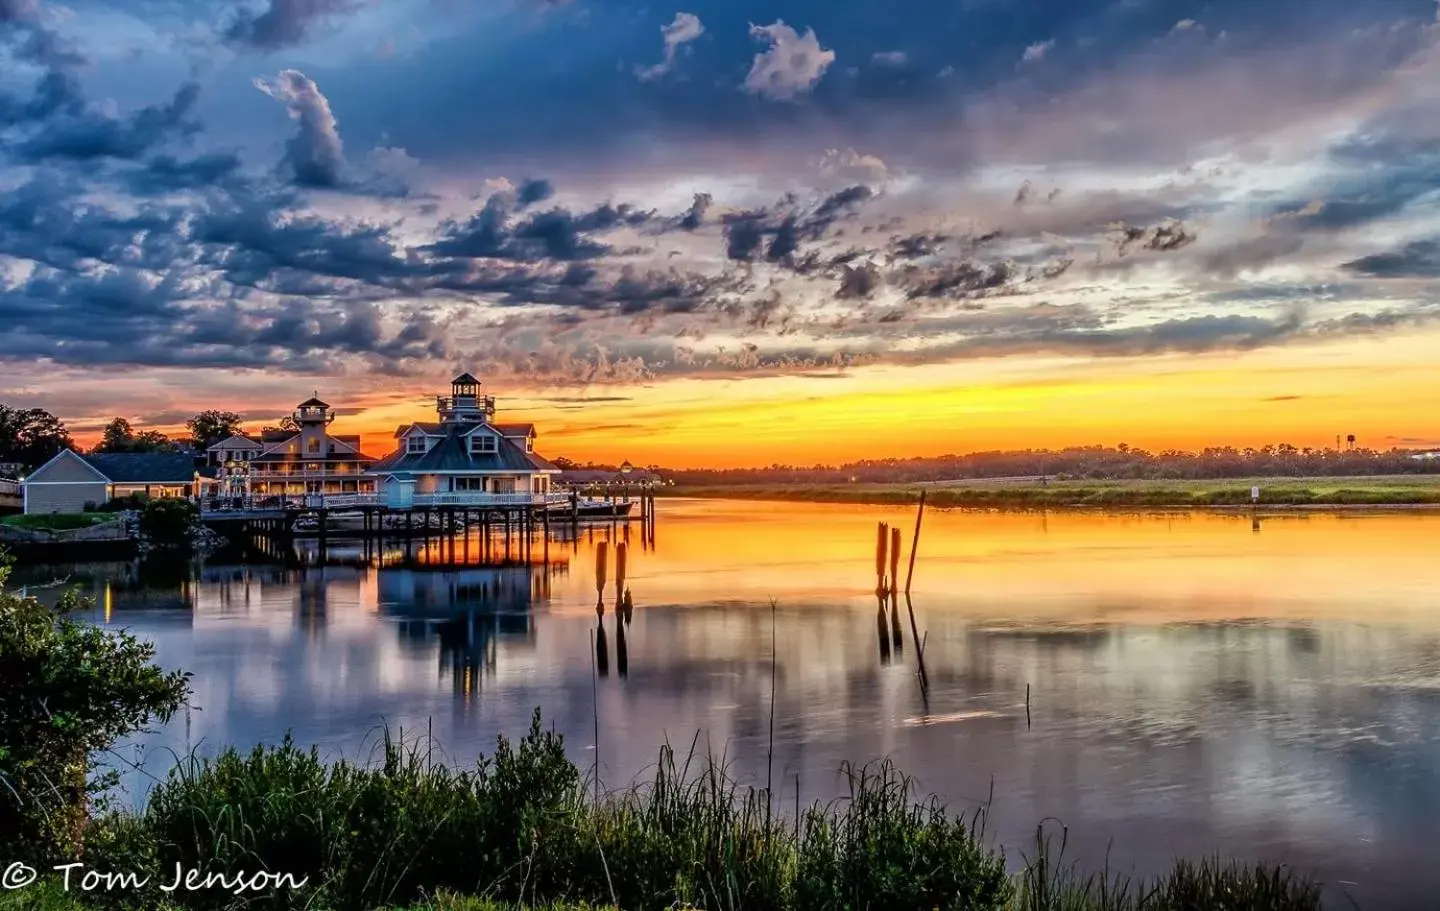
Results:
[452, 454]
[143, 467]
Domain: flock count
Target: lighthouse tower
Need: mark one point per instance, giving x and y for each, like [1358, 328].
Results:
[313, 417]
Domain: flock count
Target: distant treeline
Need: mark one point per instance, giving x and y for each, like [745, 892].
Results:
[1082, 463]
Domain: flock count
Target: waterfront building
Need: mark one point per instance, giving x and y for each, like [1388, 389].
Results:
[464, 457]
[71, 480]
[310, 460]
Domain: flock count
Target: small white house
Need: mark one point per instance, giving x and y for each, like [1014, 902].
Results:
[70, 481]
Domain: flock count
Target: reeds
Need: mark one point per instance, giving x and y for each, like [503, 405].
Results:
[522, 827]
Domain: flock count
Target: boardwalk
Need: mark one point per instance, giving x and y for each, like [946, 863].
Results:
[11, 497]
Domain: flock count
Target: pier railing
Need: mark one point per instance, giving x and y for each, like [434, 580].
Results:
[460, 499]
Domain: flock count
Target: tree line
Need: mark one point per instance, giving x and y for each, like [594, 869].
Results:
[30, 437]
[1073, 463]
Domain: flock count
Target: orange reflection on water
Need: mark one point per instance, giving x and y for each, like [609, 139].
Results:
[1071, 565]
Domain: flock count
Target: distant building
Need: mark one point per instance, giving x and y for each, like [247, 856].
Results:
[310, 460]
[1432, 454]
[464, 456]
[70, 481]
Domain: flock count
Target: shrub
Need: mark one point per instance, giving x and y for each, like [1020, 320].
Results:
[167, 522]
[67, 690]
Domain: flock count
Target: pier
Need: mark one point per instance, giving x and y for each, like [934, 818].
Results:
[513, 523]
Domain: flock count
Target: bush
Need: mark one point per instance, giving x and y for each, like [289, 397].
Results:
[133, 502]
[67, 690]
[168, 522]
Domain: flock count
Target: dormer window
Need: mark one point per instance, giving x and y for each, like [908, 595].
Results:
[529, 444]
[416, 445]
[484, 444]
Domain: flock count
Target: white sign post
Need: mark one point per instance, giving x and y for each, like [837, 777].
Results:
[1254, 495]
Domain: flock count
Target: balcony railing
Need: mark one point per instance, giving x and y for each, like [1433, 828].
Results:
[471, 498]
[447, 405]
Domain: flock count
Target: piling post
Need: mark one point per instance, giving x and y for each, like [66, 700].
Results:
[894, 559]
[915, 545]
[881, 540]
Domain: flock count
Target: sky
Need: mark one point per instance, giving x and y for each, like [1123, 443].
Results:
[729, 232]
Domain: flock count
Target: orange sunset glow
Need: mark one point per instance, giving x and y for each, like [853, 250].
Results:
[1304, 395]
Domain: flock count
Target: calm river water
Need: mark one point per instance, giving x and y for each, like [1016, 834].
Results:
[1198, 682]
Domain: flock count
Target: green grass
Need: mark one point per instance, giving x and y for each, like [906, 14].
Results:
[1415, 490]
[525, 828]
[57, 521]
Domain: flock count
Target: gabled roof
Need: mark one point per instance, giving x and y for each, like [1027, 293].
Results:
[403, 429]
[238, 441]
[312, 403]
[464, 379]
[515, 430]
[143, 467]
[452, 454]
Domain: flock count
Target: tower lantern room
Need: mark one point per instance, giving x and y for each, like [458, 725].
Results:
[465, 403]
[313, 416]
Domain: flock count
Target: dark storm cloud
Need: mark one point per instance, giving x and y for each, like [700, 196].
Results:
[533, 191]
[93, 135]
[786, 224]
[284, 22]
[1418, 259]
[253, 244]
[695, 216]
[168, 174]
[118, 317]
[556, 234]
[858, 281]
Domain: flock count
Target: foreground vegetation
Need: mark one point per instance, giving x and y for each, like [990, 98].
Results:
[57, 521]
[522, 828]
[1029, 493]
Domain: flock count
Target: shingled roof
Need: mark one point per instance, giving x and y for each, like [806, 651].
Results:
[452, 453]
[143, 467]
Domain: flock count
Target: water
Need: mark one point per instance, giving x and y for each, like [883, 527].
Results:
[1199, 683]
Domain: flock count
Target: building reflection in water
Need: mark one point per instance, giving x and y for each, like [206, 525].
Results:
[464, 613]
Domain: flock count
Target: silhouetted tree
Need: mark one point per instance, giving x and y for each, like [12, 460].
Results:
[210, 427]
[119, 436]
[31, 436]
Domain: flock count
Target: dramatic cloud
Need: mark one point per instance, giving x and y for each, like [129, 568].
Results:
[791, 66]
[686, 28]
[284, 22]
[1420, 259]
[314, 156]
[1134, 187]
[89, 135]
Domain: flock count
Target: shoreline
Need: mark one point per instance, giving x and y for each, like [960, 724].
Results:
[1290, 495]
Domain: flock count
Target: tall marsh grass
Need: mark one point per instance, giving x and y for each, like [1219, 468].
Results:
[522, 828]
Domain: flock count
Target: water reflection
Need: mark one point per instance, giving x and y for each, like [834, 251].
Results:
[1193, 686]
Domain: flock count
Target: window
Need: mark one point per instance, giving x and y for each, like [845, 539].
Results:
[467, 483]
[312, 445]
[483, 443]
[529, 444]
[416, 444]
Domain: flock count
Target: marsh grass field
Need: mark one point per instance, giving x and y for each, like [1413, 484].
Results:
[523, 828]
[1421, 490]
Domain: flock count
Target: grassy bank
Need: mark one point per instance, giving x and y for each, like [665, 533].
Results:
[58, 521]
[523, 828]
[1401, 490]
